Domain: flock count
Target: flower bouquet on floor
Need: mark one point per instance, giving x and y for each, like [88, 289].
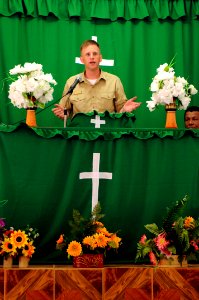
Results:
[88, 240]
[30, 88]
[177, 235]
[18, 243]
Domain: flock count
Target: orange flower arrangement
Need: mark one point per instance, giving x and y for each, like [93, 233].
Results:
[88, 235]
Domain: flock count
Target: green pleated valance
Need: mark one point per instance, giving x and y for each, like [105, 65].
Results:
[102, 9]
[90, 134]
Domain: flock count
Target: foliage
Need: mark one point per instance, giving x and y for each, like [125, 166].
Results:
[177, 235]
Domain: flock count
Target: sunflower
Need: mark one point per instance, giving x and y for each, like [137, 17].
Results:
[100, 240]
[19, 238]
[29, 249]
[74, 249]
[7, 246]
[88, 241]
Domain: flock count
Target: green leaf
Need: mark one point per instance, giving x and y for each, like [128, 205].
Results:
[3, 202]
[173, 213]
[153, 228]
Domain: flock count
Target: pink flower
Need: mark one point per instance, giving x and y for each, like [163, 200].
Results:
[193, 243]
[161, 241]
[166, 252]
[152, 258]
[143, 239]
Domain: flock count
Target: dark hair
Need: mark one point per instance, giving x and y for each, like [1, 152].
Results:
[192, 108]
[88, 43]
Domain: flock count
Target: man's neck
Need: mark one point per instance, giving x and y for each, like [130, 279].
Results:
[92, 74]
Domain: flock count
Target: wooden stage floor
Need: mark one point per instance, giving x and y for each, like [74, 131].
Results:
[109, 283]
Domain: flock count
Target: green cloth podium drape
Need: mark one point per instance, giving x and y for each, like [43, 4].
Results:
[40, 178]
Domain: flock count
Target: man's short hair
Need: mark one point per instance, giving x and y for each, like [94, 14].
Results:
[88, 43]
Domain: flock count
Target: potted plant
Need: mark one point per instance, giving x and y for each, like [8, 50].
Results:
[177, 235]
[88, 240]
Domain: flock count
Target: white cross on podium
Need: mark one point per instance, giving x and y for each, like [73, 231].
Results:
[95, 175]
[97, 121]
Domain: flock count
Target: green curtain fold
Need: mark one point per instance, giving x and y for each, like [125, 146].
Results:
[102, 9]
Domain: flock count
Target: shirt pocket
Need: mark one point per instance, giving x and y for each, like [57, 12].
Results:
[77, 96]
[107, 96]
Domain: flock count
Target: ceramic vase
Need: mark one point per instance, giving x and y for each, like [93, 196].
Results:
[23, 261]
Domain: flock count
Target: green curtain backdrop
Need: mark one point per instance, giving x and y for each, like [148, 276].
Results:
[39, 175]
[151, 167]
[138, 35]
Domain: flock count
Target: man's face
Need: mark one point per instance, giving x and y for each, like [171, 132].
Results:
[192, 119]
[91, 57]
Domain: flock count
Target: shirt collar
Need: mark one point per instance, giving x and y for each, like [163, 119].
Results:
[102, 76]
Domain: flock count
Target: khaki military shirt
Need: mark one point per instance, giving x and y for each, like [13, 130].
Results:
[107, 94]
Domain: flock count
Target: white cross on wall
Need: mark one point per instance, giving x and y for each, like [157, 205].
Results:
[95, 175]
[104, 62]
[97, 121]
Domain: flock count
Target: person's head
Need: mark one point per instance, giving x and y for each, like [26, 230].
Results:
[90, 54]
[191, 117]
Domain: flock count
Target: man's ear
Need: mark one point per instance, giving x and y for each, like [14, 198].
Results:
[82, 60]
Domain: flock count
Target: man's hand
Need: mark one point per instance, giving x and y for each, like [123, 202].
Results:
[130, 105]
[58, 111]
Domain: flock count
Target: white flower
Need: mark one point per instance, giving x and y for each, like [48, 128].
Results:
[32, 87]
[166, 86]
[30, 67]
[193, 90]
[154, 86]
[151, 105]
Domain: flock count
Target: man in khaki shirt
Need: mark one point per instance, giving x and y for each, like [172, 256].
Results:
[95, 90]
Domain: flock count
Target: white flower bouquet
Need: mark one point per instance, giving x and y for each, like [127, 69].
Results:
[167, 88]
[30, 86]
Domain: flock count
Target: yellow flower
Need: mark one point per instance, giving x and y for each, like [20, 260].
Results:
[29, 249]
[74, 248]
[189, 222]
[104, 231]
[88, 240]
[19, 238]
[115, 241]
[100, 240]
[7, 246]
